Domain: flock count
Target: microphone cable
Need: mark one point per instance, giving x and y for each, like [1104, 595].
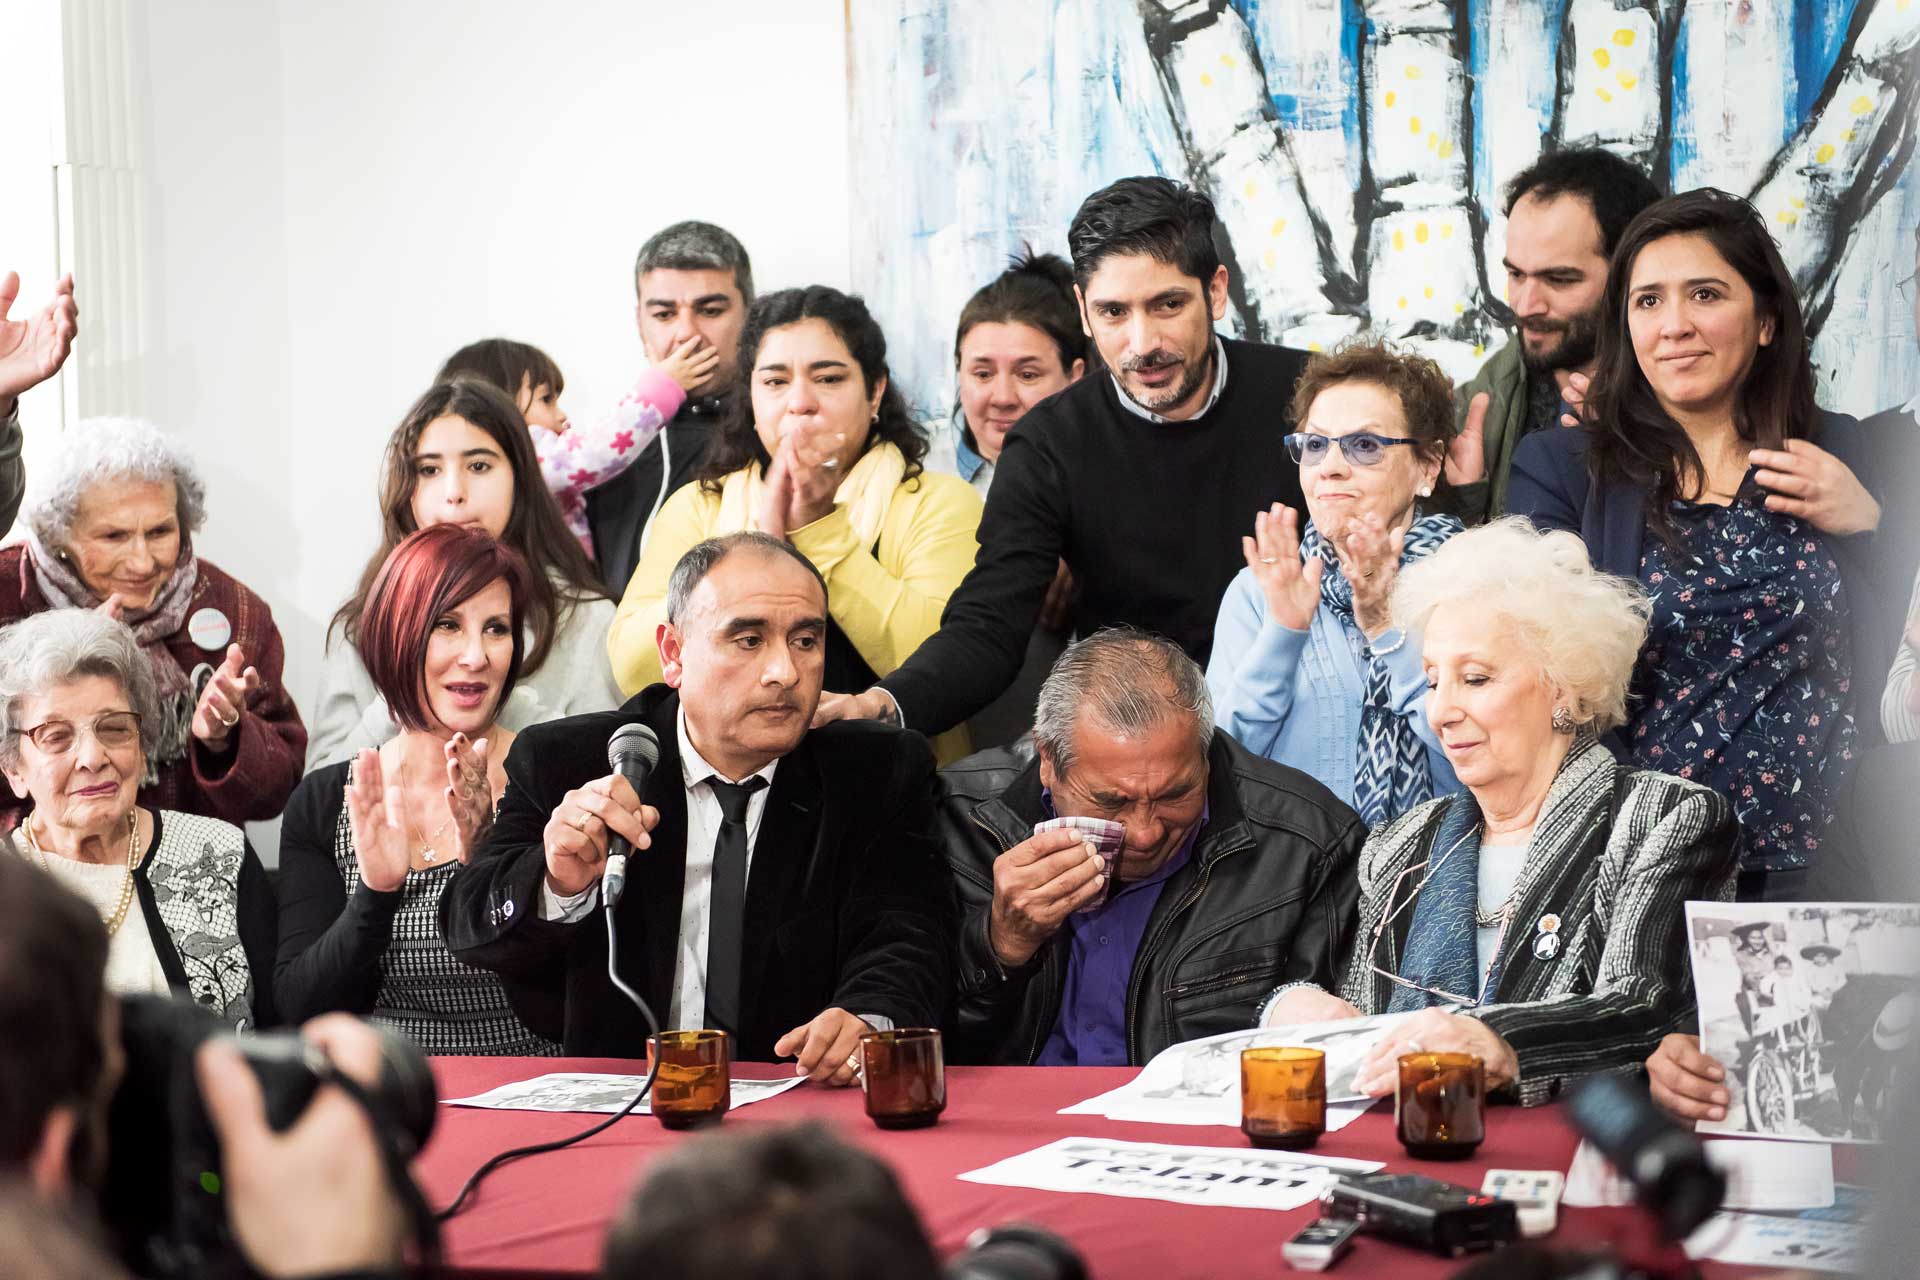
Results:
[646, 1087]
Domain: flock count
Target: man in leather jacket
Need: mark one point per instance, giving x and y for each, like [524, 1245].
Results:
[1235, 874]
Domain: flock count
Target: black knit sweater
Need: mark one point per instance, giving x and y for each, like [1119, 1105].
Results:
[1149, 517]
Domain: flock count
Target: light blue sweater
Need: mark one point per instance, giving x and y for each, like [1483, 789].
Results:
[1294, 696]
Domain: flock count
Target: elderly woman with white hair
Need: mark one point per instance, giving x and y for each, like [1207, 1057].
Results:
[110, 523]
[187, 906]
[1536, 920]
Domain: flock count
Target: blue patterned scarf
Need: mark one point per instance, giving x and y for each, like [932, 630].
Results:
[1442, 938]
[1390, 774]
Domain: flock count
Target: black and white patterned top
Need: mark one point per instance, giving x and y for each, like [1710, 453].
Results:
[425, 994]
[346, 947]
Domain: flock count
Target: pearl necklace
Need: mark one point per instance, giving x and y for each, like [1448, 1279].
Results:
[119, 915]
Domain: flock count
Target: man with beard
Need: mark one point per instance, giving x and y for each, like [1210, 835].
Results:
[1144, 479]
[1564, 215]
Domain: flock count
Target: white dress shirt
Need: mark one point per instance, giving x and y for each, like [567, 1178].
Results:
[688, 1008]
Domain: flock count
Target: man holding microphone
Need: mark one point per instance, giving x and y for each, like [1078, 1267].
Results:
[783, 885]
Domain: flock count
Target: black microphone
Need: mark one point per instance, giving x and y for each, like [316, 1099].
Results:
[632, 752]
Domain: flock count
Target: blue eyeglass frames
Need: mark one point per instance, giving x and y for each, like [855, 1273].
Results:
[1362, 448]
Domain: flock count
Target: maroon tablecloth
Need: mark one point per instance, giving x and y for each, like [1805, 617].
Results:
[546, 1215]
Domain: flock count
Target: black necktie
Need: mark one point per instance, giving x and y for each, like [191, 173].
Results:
[727, 917]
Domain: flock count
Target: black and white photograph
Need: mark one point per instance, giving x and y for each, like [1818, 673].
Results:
[1811, 1008]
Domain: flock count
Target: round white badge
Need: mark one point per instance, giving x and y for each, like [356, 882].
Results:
[209, 629]
[1546, 946]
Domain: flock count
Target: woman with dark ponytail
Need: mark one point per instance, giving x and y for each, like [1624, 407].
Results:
[1019, 341]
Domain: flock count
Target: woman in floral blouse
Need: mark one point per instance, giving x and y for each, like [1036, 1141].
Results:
[1708, 473]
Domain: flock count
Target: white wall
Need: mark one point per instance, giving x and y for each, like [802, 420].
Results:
[345, 193]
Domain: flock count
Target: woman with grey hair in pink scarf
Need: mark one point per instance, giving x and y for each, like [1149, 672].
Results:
[110, 521]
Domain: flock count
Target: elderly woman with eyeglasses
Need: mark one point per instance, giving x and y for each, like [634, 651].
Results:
[187, 906]
[1307, 668]
[110, 523]
[1536, 920]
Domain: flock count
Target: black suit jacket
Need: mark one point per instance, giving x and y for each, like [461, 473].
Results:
[849, 903]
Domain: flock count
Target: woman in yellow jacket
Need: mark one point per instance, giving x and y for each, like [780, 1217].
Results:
[820, 452]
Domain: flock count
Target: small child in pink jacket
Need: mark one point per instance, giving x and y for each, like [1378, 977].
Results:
[574, 459]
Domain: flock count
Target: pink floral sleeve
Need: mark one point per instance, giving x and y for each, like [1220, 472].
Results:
[583, 458]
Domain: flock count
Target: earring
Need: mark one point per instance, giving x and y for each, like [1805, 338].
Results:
[1562, 720]
[1426, 491]
[875, 420]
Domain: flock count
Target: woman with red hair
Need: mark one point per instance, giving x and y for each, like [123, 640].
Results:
[368, 845]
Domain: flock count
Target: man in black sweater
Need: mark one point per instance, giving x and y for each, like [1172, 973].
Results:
[1143, 479]
[692, 280]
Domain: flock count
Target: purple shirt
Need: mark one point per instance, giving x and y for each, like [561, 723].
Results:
[1092, 1028]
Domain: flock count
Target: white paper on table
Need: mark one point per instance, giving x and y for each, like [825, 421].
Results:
[1774, 1241]
[1761, 1176]
[596, 1092]
[1198, 1081]
[1236, 1177]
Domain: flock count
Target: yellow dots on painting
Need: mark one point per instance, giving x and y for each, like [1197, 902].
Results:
[1602, 59]
[1624, 38]
[1861, 105]
[1402, 304]
[1279, 227]
[1226, 60]
[1433, 141]
[1314, 346]
[1428, 291]
[1604, 95]
[1206, 81]
[1479, 349]
[1413, 125]
[1272, 259]
[1253, 188]
[1390, 98]
[1459, 308]
[1626, 81]
[1848, 136]
[1399, 241]
[1446, 231]
[1788, 217]
[1413, 72]
[1824, 154]
[1420, 232]
[1446, 149]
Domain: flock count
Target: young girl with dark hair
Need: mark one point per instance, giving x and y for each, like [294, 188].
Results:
[463, 455]
[367, 846]
[1710, 476]
[820, 452]
[575, 459]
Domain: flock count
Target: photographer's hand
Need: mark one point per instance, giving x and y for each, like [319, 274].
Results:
[315, 1199]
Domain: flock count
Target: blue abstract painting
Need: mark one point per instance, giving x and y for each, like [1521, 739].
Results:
[1356, 150]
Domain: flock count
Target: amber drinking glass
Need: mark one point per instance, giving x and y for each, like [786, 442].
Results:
[1440, 1106]
[695, 1083]
[1283, 1097]
[904, 1075]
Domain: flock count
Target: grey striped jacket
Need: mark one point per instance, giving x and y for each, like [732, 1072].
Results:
[1615, 853]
